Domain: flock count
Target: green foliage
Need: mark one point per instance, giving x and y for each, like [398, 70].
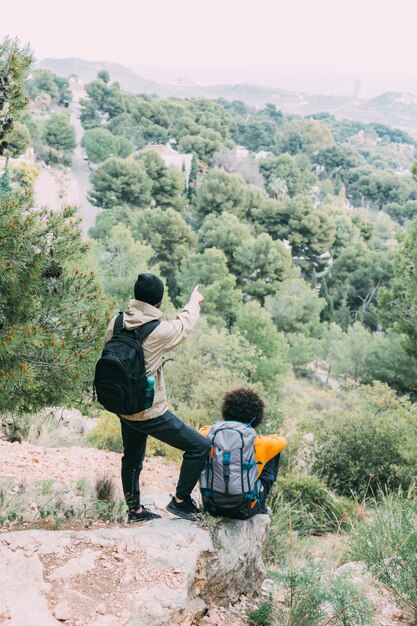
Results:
[207, 365]
[104, 76]
[14, 65]
[367, 184]
[45, 81]
[106, 435]
[118, 182]
[25, 175]
[256, 325]
[263, 615]
[209, 271]
[108, 99]
[168, 183]
[317, 595]
[170, 237]
[105, 103]
[347, 233]
[118, 260]
[358, 273]
[335, 160]
[302, 350]
[312, 506]
[306, 136]
[226, 232]
[53, 313]
[257, 135]
[309, 230]
[18, 139]
[34, 126]
[387, 543]
[348, 352]
[366, 443]
[5, 187]
[59, 133]
[364, 356]
[105, 221]
[203, 145]
[284, 168]
[218, 192]
[295, 307]
[262, 264]
[399, 301]
[403, 213]
[100, 144]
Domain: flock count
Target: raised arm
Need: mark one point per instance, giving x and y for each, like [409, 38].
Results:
[179, 329]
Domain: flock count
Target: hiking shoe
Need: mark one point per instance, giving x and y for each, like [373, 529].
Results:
[144, 516]
[186, 509]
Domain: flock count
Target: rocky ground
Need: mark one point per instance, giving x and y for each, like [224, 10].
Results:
[92, 574]
[25, 463]
[79, 578]
[162, 573]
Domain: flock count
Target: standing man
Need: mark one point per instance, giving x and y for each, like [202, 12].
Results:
[157, 420]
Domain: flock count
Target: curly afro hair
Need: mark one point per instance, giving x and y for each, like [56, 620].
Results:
[243, 405]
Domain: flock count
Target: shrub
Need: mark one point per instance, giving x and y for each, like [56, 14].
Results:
[107, 435]
[25, 175]
[107, 504]
[263, 615]
[105, 489]
[387, 543]
[313, 507]
[317, 595]
[14, 427]
[367, 443]
[207, 365]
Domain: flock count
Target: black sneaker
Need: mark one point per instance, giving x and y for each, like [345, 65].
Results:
[186, 509]
[144, 516]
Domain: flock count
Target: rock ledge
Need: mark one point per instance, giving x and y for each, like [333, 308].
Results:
[162, 573]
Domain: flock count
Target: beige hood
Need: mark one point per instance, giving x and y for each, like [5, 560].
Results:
[139, 313]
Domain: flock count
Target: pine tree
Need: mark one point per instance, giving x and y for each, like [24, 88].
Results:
[5, 183]
[327, 314]
[53, 313]
[14, 65]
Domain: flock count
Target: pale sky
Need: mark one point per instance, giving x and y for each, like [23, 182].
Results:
[320, 46]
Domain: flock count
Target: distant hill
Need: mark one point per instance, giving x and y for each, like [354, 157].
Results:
[391, 108]
[86, 71]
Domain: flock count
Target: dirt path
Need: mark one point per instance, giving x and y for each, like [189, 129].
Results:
[26, 462]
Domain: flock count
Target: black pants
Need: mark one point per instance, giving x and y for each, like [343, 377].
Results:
[171, 430]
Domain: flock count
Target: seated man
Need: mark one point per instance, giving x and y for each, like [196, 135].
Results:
[242, 466]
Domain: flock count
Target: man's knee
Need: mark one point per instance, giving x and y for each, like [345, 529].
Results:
[203, 447]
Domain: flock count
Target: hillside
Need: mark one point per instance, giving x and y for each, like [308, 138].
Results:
[395, 109]
[87, 71]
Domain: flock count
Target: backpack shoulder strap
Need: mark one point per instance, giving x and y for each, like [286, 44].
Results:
[146, 329]
[118, 323]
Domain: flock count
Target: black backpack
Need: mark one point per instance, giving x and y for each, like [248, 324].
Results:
[120, 376]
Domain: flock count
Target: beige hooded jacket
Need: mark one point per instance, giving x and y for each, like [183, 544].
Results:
[165, 337]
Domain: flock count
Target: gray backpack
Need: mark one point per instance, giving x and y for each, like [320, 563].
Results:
[228, 483]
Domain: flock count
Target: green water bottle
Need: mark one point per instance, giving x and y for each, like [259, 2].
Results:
[149, 392]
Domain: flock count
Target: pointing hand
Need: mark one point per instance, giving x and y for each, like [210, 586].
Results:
[196, 296]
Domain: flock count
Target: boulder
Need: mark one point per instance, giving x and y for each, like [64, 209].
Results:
[162, 573]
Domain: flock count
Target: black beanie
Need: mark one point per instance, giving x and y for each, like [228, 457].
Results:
[149, 288]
